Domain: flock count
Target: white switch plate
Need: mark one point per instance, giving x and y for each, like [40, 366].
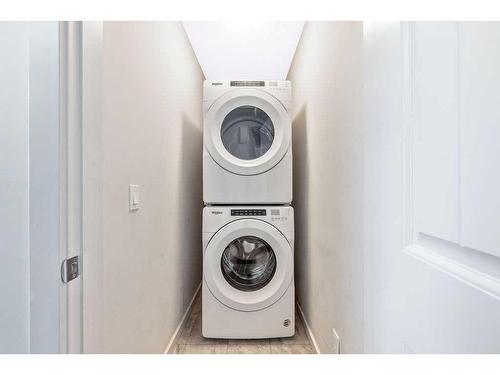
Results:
[336, 342]
[133, 195]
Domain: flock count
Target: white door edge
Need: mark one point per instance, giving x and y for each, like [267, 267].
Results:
[70, 182]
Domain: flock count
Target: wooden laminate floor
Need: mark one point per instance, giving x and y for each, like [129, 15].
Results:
[192, 342]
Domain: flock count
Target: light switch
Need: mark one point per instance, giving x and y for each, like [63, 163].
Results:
[134, 197]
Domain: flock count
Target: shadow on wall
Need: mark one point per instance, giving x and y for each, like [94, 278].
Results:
[300, 199]
[190, 186]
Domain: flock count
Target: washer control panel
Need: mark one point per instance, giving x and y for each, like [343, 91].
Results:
[248, 212]
[248, 83]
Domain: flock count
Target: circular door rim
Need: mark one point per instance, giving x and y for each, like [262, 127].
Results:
[247, 97]
[248, 300]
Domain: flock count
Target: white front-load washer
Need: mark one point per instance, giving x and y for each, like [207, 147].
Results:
[247, 142]
[248, 287]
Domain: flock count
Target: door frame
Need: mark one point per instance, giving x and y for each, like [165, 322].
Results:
[70, 181]
[92, 182]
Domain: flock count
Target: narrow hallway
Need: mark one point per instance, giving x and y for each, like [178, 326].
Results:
[183, 187]
[192, 342]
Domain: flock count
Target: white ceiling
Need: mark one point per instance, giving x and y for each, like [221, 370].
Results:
[244, 49]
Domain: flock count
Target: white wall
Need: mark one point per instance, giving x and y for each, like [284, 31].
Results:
[151, 136]
[399, 209]
[14, 189]
[328, 163]
[244, 49]
[383, 189]
[92, 177]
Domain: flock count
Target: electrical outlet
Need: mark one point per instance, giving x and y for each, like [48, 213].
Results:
[336, 342]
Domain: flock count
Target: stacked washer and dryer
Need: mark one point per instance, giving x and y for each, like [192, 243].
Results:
[248, 287]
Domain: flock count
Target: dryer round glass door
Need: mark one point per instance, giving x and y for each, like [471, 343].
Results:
[248, 265]
[247, 131]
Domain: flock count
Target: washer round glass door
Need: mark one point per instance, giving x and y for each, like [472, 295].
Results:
[247, 131]
[248, 265]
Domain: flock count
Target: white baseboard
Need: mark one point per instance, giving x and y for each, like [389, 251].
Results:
[309, 332]
[178, 331]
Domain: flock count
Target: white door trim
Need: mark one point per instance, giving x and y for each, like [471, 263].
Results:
[92, 179]
[70, 181]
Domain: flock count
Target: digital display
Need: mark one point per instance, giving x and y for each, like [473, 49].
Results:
[250, 212]
[248, 83]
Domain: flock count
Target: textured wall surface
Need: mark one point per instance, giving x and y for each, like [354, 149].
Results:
[328, 163]
[152, 136]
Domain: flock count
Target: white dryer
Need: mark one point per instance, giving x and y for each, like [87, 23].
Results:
[248, 283]
[247, 133]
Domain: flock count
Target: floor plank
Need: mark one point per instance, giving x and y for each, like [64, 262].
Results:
[191, 340]
[245, 348]
[291, 349]
[203, 349]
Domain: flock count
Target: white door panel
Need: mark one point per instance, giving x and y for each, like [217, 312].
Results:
[436, 123]
[457, 133]
[451, 261]
[480, 134]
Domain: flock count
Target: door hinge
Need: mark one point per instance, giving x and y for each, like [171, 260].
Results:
[70, 269]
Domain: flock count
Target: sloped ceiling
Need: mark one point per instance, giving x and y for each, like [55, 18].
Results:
[244, 49]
